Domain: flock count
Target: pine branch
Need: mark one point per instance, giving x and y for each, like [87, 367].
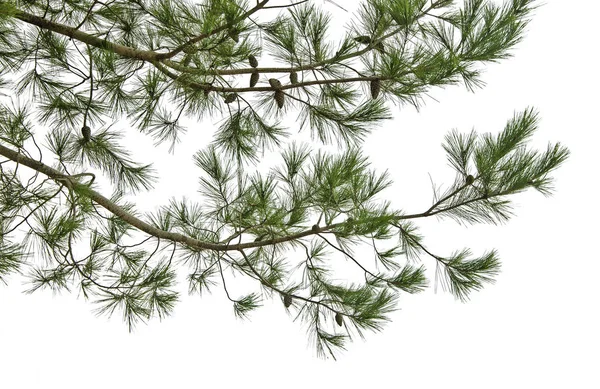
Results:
[203, 58]
[72, 32]
[259, 5]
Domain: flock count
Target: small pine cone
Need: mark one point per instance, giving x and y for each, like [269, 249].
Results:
[315, 228]
[254, 78]
[279, 98]
[365, 40]
[87, 133]
[253, 61]
[375, 88]
[234, 34]
[190, 49]
[293, 78]
[469, 180]
[206, 92]
[287, 300]
[230, 98]
[275, 83]
[339, 319]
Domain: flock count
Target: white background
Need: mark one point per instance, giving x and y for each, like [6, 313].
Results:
[537, 327]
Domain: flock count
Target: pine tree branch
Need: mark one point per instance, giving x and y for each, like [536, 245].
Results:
[353, 259]
[209, 87]
[431, 209]
[177, 50]
[125, 51]
[266, 283]
[195, 48]
[71, 32]
[312, 66]
[176, 237]
[145, 227]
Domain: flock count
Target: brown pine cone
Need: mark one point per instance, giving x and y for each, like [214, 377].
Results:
[365, 40]
[275, 83]
[375, 88]
[230, 98]
[234, 34]
[293, 78]
[287, 300]
[254, 78]
[87, 133]
[253, 61]
[279, 98]
[339, 319]
[190, 49]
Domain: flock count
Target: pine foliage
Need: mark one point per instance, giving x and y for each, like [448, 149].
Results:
[82, 66]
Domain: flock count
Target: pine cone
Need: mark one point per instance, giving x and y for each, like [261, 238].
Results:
[253, 61]
[469, 180]
[315, 228]
[230, 98]
[234, 34]
[375, 88]
[287, 300]
[293, 78]
[254, 78]
[365, 40]
[279, 98]
[87, 133]
[190, 49]
[339, 319]
[275, 83]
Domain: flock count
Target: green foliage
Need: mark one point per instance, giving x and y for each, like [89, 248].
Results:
[11, 259]
[500, 166]
[243, 306]
[462, 276]
[81, 66]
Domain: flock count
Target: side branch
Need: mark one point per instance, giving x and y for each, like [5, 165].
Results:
[74, 33]
[145, 227]
[176, 237]
[209, 87]
[198, 38]
[298, 68]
